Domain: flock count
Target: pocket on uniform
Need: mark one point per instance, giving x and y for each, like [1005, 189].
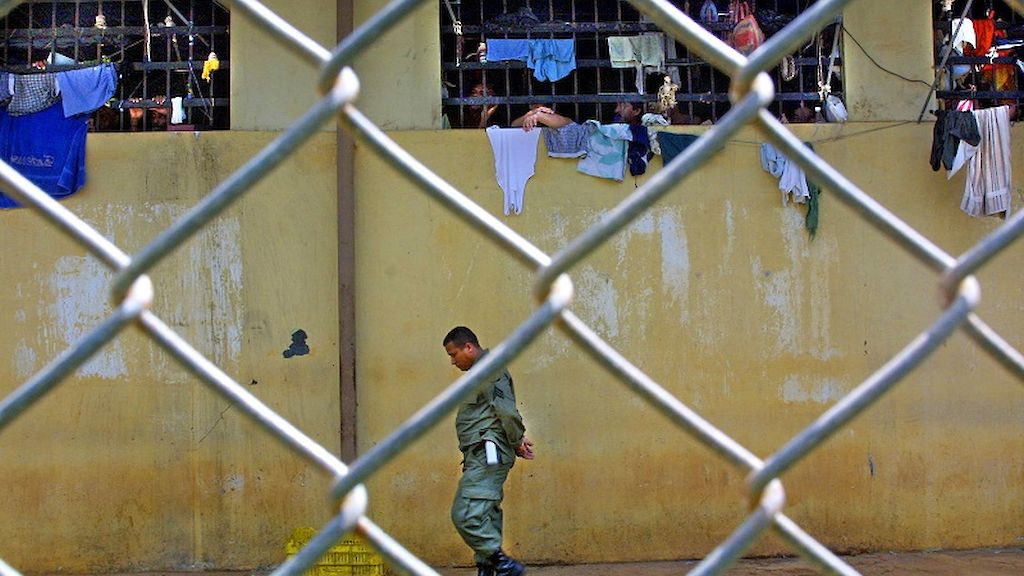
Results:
[482, 493]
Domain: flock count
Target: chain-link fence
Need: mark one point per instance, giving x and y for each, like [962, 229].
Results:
[751, 92]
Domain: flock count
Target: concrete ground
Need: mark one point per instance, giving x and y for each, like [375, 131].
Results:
[995, 562]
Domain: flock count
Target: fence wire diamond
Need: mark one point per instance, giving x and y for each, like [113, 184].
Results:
[751, 92]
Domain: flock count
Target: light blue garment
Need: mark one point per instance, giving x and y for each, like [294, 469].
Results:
[772, 160]
[551, 60]
[503, 49]
[85, 90]
[606, 150]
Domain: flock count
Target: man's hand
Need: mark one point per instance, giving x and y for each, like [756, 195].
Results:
[525, 449]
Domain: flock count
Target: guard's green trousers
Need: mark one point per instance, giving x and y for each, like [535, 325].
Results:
[476, 510]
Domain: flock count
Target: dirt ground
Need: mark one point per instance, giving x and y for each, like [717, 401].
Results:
[1001, 562]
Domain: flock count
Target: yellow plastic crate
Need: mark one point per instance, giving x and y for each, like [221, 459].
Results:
[352, 556]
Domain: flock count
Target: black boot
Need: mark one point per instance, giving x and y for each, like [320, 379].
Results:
[506, 566]
[484, 570]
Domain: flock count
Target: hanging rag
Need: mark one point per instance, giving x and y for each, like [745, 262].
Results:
[500, 49]
[569, 141]
[772, 161]
[792, 180]
[45, 147]
[210, 65]
[951, 126]
[638, 150]
[673, 144]
[964, 30]
[551, 59]
[636, 52]
[32, 93]
[85, 90]
[606, 150]
[177, 110]
[653, 122]
[988, 188]
[515, 156]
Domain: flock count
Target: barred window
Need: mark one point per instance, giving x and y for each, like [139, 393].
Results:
[978, 47]
[596, 84]
[160, 49]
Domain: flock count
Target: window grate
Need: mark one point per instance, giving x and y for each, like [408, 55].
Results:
[592, 90]
[167, 62]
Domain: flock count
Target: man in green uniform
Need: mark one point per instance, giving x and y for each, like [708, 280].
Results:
[491, 435]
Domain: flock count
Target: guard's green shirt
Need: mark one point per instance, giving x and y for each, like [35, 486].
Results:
[491, 414]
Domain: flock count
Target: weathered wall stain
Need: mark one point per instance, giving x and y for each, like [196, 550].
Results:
[78, 288]
[298, 346]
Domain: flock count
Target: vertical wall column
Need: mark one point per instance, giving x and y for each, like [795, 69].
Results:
[346, 270]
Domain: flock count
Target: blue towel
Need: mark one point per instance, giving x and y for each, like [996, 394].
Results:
[86, 89]
[46, 148]
[551, 60]
[502, 49]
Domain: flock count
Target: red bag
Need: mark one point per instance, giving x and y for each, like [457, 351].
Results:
[747, 34]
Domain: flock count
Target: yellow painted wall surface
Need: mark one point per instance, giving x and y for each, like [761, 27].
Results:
[271, 85]
[132, 463]
[901, 45]
[400, 73]
[719, 294]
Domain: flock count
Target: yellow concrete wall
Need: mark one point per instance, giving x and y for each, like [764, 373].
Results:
[271, 85]
[133, 464]
[718, 294]
[902, 45]
[400, 74]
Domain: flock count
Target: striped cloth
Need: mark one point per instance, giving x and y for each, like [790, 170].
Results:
[988, 173]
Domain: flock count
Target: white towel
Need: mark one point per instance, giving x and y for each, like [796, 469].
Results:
[177, 111]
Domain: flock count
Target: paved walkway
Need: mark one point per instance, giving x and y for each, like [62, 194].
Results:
[1001, 562]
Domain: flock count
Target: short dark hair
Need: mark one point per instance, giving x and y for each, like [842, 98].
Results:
[460, 336]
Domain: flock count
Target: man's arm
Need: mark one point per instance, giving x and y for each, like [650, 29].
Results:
[503, 400]
[543, 116]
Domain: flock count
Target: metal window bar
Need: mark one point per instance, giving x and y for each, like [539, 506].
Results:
[704, 93]
[1008, 22]
[32, 30]
[132, 289]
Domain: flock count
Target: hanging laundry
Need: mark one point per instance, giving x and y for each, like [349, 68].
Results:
[793, 182]
[45, 147]
[963, 30]
[984, 33]
[569, 141]
[606, 150]
[950, 128]
[32, 93]
[515, 156]
[84, 90]
[673, 144]
[552, 59]
[499, 49]
[638, 150]
[177, 110]
[988, 188]
[210, 66]
[653, 122]
[636, 52]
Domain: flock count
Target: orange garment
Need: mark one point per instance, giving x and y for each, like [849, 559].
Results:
[984, 31]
